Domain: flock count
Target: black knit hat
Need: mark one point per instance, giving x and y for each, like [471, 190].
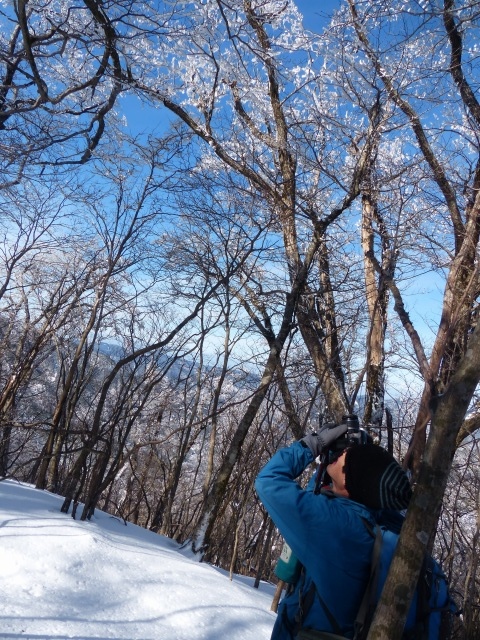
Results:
[375, 479]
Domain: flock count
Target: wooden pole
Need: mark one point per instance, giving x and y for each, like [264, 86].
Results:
[277, 596]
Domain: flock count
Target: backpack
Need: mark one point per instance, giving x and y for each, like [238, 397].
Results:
[432, 608]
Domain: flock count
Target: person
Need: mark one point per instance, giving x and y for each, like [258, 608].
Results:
[330, 532]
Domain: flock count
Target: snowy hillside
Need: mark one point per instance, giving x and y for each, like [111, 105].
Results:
[62, 578]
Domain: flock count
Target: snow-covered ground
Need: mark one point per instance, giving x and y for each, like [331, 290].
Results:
[62, 578]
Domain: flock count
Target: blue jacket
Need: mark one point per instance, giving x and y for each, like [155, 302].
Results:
[326, 534]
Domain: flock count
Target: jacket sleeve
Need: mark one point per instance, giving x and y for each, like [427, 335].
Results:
[289, 506]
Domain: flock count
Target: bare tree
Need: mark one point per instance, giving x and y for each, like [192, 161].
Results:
[61, 76]
[462, 282]
[277, 186]
[451, 373]
[121, 235]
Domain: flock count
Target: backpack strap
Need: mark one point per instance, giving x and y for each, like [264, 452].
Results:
[367, 606]
[424, 585]
[425, 607]
[369, 600]
[306, 600]
[331, 618]
[305, 604]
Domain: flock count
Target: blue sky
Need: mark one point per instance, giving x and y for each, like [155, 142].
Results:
[316, 12]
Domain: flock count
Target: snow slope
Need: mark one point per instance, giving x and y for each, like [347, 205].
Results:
[61, 578]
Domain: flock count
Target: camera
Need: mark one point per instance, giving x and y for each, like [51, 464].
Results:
[354, 436]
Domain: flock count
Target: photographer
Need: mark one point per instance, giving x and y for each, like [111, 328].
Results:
[330, 532]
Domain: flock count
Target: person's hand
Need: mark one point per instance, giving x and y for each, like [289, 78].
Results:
[317, 442]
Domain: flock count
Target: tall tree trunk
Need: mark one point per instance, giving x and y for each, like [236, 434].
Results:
[421, 519]
[377, 302]
[213, 499]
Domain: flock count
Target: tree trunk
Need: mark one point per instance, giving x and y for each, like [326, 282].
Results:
[421, 520]
[212, 502]
[377, 302]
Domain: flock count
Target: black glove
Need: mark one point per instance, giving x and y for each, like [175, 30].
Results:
[317, 442]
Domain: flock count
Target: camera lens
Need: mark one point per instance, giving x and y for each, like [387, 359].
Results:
[352, 423]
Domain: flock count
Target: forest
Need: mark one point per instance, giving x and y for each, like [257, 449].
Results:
[221, 228]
